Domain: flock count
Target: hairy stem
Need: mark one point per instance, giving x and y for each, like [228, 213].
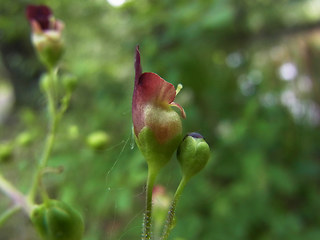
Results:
[147, 221]
[172, 211]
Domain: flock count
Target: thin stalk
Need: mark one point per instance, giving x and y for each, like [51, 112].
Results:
[8, 213]
[15, 195]
[147, 220]
[172, 211]
[53, 124]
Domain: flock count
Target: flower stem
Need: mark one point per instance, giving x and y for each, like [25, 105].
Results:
[147, 220]
[15, 195]
[8, 213]
[53, 124]
[172, 211]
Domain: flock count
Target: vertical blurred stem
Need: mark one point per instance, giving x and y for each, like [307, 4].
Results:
[53, 124]
[172, 211]
[147, 221]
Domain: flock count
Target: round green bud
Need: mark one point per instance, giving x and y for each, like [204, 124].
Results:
[56, 220]
[98, 140]
[24, 138]
[73, 132]
[69, 82]
[45, 83]
[193, 154]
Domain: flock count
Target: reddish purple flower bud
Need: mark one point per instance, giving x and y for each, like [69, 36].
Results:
[42, 19]
[153, 116]
[46, 34]
[151, 92]
[39, 14]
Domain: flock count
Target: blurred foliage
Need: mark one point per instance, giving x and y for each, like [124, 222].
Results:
[250, 71]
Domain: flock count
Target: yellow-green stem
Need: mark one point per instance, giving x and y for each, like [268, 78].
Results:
[172, 211]
[53, 124]
[147, 220]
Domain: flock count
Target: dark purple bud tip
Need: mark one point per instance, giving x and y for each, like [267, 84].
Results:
[194, 135]
[41, 14]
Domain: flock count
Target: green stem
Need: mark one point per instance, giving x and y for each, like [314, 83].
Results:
[8, 213]
[147, 220]
[15, 195]
[53, 124]
[172, 211]
[64, 104]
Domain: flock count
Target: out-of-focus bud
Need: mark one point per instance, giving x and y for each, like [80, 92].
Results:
[193, 154]
[161, 203]
[46, 34]
[69, 82]
[98, 140]
[56, 220]
[6, 151]
[24, 138]
[45, 83]
[73, 131]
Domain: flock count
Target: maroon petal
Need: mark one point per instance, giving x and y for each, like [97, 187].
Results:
[150, 89]
[137, 66]
[40, 14]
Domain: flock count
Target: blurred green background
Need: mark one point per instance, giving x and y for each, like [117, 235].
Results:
[250, 71]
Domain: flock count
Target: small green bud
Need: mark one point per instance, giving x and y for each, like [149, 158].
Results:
[6, 151]
[24, 138]
[56, 220]
[73, 132]
[45, 83]
[69, 82]
[193, 154]
[98, 140]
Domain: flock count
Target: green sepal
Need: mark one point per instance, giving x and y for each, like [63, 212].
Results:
[156, 154]
[50, 48]
[55, 220]
[193, 155]
[51, 54]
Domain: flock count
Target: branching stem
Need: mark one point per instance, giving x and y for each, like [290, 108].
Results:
[53, 124]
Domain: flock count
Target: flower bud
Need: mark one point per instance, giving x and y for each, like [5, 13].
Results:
[69, 82]
[46, 34]
[193, 154]
[157, 127]
[45, 83]
[24, 138]
[56, 220]
[98, 140]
